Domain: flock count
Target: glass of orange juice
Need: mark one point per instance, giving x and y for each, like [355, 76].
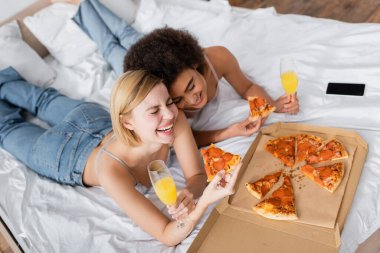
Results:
[289, 78]
[163, 182]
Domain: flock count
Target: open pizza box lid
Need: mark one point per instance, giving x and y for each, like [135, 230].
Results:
[231, 229]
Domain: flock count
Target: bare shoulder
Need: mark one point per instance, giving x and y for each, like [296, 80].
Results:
[221, 58]
[218, 53]
[181, 116]
[181, 123]
[111, 171]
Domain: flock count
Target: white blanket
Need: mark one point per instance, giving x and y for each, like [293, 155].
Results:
[48, 217]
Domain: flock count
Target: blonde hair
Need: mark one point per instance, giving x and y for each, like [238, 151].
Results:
[130, 90]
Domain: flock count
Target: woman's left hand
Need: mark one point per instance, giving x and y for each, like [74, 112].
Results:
[185, 204]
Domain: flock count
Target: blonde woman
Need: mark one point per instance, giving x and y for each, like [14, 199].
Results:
[87, 146]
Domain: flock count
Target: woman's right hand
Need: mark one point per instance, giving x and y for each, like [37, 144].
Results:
[222, 185]
[246, 127]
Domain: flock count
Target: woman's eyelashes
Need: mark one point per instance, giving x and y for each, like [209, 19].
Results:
[156, 109]
[191, 85]
[177, 100]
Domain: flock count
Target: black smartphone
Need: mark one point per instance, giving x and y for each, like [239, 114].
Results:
[352, 89]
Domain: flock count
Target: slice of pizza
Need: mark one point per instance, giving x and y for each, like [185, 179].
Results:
[262, 186]
[333, 150]
[280, 205]
[282, 148]
[259, 107]
[215, 159]
[328, 177]
[307, 144]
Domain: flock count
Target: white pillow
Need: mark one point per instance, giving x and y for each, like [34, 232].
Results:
[125, 9]
[18, 54]
[154, 14]
[63, 38]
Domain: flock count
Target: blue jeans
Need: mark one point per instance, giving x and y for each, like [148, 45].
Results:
[113, 35]
[61, 151]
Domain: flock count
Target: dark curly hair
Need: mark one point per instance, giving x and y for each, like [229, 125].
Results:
[165, 53]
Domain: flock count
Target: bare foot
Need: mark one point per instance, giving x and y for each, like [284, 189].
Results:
[76, 2]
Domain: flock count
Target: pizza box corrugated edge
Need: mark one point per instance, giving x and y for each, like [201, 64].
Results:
[229, 229]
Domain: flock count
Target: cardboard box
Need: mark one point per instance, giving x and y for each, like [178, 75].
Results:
[231, 229]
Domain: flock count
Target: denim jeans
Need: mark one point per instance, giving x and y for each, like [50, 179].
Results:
[113, 35]
[61, 151]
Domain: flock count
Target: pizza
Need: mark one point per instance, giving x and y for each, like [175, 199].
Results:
[280, 205]
[259, 107]
[282, 148]
[215, 160]
[262, 186]
[318, 164]
[333, 150]
[307, 144]
[328, 177]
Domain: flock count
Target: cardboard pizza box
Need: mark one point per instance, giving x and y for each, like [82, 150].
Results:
[229, 228]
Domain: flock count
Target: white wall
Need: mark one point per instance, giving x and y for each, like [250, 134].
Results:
[10, 7]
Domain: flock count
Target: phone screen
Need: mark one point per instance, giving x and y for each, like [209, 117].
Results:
[353, 89]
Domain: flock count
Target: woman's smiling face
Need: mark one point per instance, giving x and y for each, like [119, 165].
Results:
[189, 90]
[154, 118]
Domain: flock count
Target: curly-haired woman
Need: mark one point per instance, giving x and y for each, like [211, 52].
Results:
[192, 74]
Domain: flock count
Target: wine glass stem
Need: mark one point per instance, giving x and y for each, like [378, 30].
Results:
[288, 116]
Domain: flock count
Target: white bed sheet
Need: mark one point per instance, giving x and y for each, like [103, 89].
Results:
[48, 217]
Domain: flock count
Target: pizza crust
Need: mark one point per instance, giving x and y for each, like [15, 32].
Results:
[274, 216]
[253, 192]
[333, 150]
[280, 205]
[262, 186]
[329, 183]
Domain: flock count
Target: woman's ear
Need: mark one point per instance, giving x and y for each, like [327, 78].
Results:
[126, 122]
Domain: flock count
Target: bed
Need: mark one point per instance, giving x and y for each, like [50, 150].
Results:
[44, 216]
